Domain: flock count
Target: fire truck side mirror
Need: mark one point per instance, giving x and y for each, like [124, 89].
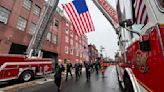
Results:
[145, 45]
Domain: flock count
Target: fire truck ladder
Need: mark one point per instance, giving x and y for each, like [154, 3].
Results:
[34, 48]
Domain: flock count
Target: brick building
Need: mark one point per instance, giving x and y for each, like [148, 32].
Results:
[18, 20]
[93, 53]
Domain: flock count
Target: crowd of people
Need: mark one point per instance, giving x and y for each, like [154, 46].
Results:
[89, 68]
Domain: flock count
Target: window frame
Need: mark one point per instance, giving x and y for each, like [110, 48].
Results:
[66, 49]
[33, 29]
[56, 23]
[25, 4]
[54, 37]
[49, 36]
[71, 51]
[18, 26]
[36, 12]
[7, 14]
[66, 31]
[71, 42]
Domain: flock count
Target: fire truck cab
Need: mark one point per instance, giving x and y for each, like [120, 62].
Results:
[142, 57]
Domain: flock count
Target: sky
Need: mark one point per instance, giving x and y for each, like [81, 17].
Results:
[104, 34]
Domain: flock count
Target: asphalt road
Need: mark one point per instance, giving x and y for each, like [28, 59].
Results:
[96, 84]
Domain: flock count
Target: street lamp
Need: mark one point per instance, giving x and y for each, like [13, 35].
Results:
[101, 50]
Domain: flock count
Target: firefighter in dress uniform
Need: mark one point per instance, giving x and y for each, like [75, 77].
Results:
[58, 75]
[69, 70]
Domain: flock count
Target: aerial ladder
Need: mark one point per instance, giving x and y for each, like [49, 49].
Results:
[34, 48]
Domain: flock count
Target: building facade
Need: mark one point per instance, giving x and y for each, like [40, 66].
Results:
[93, 53]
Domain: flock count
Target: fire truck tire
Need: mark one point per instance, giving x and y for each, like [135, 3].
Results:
[128, 83]
[26, 76]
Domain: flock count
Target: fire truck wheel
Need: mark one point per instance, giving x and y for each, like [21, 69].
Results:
[26, 76]
[128, 84]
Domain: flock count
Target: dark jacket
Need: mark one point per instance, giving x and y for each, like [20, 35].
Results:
[59, 70]
[69, 66]
[88, 67]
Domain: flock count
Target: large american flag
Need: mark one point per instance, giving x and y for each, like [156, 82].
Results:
[141, 14]
[78, 13]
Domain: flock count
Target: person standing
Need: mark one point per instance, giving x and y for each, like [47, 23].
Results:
[77, 71]
[96, 67]
[69, 70]
[58, 75]
[80, 68]
[88, 71]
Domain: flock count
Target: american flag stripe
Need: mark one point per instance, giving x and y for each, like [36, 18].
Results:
[79, 17]
[67, 9]
[76, 17]
[86, 21]
[140, 12]
[146, 20]
[91, 22]
[83, 22]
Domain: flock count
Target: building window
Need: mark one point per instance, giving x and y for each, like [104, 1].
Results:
[76, 45]
[4, 15]
[66, 39]
[32, 29]
[49, 34]
[66, 31]
[54, 38]
[71, 51]
[81, 54]
[67, 23]
[66, 49]
[21, 24]
[27, 4]
[71, 42]
[71, 33]
[76, 37]
[56, 23]
[37, 10]
[77, 52]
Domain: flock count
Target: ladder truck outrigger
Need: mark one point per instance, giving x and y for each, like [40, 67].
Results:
[26, 67]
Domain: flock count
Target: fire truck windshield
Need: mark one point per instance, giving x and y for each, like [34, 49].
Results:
[161, 5]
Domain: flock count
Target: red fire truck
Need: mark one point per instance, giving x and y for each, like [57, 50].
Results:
[25, 67]
[142, 61]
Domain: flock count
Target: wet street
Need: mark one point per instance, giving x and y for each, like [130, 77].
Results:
[96, 84]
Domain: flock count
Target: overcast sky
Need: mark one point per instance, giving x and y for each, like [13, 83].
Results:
[104, 35]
